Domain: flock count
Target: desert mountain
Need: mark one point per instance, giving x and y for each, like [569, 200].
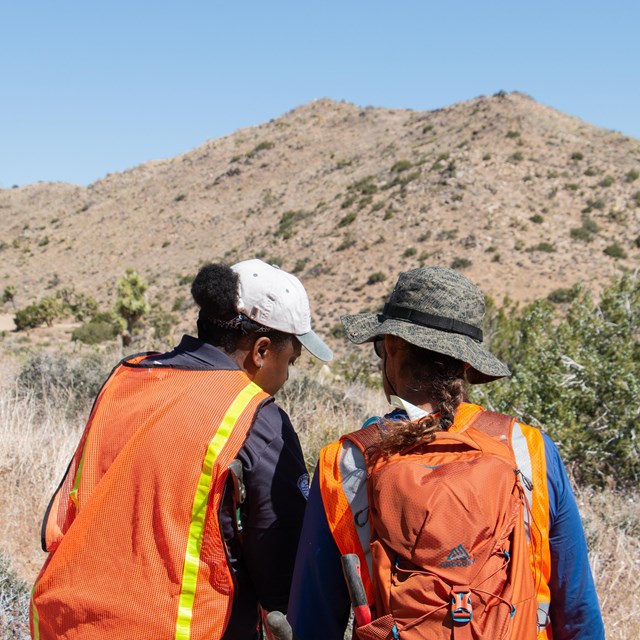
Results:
[522, 198]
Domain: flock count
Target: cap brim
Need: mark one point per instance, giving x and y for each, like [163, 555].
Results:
[315, 346]
[485, 367]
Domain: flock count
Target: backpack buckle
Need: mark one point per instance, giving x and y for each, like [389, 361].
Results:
[461, 604]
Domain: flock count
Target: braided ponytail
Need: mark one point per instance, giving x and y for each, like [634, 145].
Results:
[440, 379]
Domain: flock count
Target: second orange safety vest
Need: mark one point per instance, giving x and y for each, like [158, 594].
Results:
[344, 503]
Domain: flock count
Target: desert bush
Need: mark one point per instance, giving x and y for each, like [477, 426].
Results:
[401, 165]
[323, 410]
[598, 204]
[577, 155]
[563, 294]
[409, 252]
[460, 263]
[632, 176]
[376, 277]
[607, 181]
[545, 247]
[578, 375]
[615, 250]
[14, 603]
[288, 221]
[347, 220]
[537, 218]
[61, 381]
[262, 146]
[101, 328]
[8, 294]
[44, 311]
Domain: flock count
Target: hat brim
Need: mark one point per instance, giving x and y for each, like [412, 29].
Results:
[315, 346]
[485, 367]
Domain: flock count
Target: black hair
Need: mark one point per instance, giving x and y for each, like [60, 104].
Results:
[215, 291]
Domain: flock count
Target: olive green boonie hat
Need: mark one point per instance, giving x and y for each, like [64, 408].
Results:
[437, 309]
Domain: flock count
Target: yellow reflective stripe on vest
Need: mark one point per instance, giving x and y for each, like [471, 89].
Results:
[35, 616]
[73, 494]
[199, 510]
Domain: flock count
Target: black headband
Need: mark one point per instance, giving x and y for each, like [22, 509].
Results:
[434, 322]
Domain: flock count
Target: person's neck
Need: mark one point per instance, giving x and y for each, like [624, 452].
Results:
[418, 399]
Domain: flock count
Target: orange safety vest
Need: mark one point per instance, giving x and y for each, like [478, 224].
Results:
[133, 532]
[343, 488]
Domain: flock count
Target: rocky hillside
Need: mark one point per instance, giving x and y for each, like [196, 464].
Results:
[522, 198]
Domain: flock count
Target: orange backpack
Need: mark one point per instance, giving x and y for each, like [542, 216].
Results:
[448, 545]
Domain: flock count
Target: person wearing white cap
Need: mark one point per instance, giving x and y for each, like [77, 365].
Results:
[180, 512]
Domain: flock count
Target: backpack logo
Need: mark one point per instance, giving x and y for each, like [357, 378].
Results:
[458, 557]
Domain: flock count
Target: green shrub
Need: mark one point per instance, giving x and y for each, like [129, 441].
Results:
[263, 146]
[518, 156]
[537, 218]
[580, 233]
[580, 381]
[347, 220]
[636, 198]
[615, 250]
[180, 197]
[288, 221]
[14, 603]
[346, 243]
[409, 252]
[102, 328]
[577, 155]
[366, 186]
[545, 247]
[160, 321]
[59, 380]
[606, 182]
[563, 294]
[299, 265]
[460, 263]
[43, 312]
[513, 134]
[401, 165]
[349, 201]
[637, 242]
[594, 204]
[631, 176]
[376, 277]
[427, 128]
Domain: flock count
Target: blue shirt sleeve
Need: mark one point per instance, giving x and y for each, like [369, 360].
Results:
[319, 605]
[575, 611]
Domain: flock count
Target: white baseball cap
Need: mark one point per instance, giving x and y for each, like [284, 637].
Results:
[277, 299]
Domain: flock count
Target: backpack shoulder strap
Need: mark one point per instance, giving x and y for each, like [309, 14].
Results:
[494, 424]
[363, 438]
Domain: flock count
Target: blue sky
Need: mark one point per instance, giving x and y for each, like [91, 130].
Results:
[90, 88]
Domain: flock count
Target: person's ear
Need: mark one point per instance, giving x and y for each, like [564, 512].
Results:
[260, 351]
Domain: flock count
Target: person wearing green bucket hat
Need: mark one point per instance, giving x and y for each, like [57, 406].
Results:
[436, 309]
[430, 341]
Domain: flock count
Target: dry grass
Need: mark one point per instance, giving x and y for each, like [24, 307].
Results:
[35, 447]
